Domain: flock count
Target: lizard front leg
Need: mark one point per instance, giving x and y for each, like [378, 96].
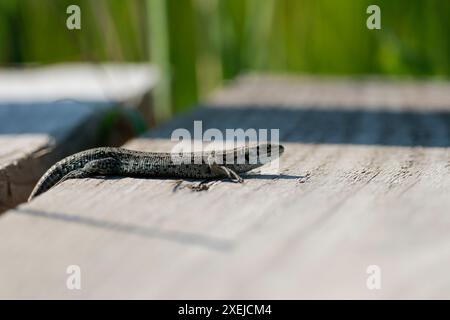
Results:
[222, 170]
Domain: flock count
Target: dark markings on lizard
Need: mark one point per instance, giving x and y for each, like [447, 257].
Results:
[123, 162]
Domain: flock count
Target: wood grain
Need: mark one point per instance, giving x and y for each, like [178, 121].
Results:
[360, 184]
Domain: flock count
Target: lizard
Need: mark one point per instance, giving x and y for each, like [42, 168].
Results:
[114, 161]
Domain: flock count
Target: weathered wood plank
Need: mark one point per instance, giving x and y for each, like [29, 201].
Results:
[360, 186]
[32, 137]
[123, 83]
[48, 113]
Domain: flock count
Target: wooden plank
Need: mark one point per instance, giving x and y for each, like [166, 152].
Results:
[123, 83]
[360, 185]
[48, 113]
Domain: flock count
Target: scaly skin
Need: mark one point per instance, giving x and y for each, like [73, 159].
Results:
[123, 162]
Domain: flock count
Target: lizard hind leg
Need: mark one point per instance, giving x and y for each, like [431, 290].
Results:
[98, 167]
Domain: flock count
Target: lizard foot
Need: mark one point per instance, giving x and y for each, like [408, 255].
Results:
[200, 186]
[222, 170]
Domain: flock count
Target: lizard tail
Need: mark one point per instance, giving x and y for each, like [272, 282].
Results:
[47, 181]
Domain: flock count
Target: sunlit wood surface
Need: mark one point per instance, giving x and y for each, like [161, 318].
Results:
[365, 180]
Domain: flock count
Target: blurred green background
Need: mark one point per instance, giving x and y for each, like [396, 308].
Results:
[200, 44]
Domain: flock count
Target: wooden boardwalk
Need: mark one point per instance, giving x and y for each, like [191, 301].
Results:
[49, 113]
[365, 180]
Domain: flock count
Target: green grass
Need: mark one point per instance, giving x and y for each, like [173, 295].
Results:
[200, 44]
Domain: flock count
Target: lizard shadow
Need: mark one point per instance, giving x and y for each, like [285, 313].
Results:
[264, 176]
[198, 185]
[252, 176]
[206, 184]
